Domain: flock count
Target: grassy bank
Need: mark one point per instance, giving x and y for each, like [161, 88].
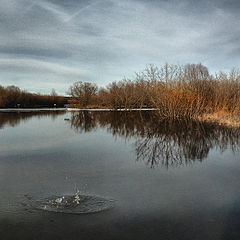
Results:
[222, 118]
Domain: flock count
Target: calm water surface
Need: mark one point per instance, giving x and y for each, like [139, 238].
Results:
[169, 180]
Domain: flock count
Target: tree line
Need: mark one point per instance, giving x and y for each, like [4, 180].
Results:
[14, 97]
[176, 91]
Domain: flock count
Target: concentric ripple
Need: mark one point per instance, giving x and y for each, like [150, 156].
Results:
[75, 204]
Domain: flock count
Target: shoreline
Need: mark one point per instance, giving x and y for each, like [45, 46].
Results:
[221, 117]
[30, 109]
[111, 109]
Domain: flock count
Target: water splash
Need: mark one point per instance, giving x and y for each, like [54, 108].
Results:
[75, 204]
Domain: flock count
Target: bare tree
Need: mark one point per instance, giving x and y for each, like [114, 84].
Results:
[83, 92]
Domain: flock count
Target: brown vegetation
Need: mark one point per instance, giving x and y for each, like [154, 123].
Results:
[83, 93]
[12, 97]
[175, 91]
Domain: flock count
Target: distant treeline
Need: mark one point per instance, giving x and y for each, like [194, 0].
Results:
[13, 97]
[187, 91]
[176, 91]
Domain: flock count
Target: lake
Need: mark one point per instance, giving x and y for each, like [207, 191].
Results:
[164, 179]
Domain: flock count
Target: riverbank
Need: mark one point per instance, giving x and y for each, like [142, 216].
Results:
[31, 109]
[111, 109]
[222, 118]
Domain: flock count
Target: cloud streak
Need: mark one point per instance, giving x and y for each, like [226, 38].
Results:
[104, 40]
[40, 66]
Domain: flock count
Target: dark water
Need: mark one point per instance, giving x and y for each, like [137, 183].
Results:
[169, 180]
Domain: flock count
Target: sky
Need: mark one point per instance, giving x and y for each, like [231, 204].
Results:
[46, 44]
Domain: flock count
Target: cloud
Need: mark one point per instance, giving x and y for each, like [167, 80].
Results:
[109, 39]
[39, 66]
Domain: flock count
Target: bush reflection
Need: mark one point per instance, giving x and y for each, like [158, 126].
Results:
[156, 142]
[160, 142]
[12, 119]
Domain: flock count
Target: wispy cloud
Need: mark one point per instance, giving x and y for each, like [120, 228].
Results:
[53, 9]
[84, 8]
[58, 39]
[40, 66]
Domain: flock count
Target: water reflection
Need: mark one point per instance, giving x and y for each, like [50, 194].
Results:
[161, 142]
[12, 119]
[83, 121]
[156, 142]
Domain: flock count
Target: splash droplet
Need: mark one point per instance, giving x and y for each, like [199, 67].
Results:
[75, 204]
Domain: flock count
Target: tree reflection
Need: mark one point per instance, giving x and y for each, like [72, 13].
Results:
[174, 144]
[156, 142]
[83, 121]
[161, 142]
[14, 118]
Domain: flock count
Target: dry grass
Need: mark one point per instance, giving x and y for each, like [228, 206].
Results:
[222, 118]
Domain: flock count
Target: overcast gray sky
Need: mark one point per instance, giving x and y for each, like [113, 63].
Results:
[47, 44]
